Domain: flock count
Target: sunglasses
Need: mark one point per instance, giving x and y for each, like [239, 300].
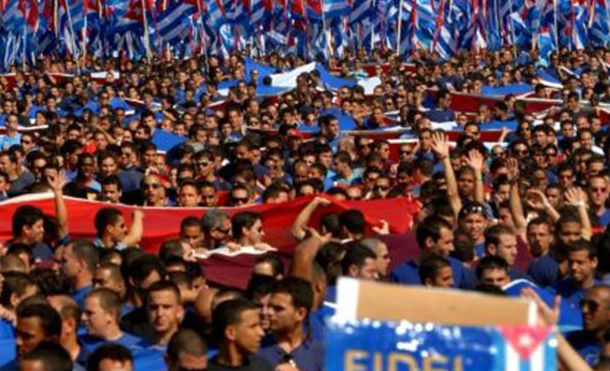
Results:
[151, 185]
[203, 163]
[239, 199]
[382, 188]
[408, 153]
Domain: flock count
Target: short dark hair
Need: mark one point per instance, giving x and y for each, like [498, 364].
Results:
[50, 320]
[26, 215]
[242, 220]
[108, 299]
[188, 341]
[299, 290]
[491, 262]
[583, 245]
[353, 220]
[106, 216]
[356, 254]
[84, 250]
[229, 313]
[142, 266]
[430, 266]
[430, 227]
[112, 351]
[14, 283]
[274, 261]
[163, 285]
[52, 356]
[493, 233]
[190, 221]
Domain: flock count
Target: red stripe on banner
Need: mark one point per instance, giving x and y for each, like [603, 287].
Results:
[161, 224]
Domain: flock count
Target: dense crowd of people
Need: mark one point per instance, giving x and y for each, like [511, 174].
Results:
[532, 206]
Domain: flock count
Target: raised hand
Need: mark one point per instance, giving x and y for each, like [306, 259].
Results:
[537, 200]
[383, 229]
[440, 146]
[576, 197]
[548, 316]
[475, 160]
[57, 183]
[513, 168]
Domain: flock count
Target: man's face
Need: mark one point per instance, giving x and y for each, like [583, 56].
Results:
[118, 229]
[102, 278]
[495, 277]
[569, 232]
[29, 333]
[539, 238]
[444, 245]
[474, 225]
[153, 189]
[566, 179]
[596, 310]
[248, 332]
[383, 259]
[255, 234]
[188, 197]
[70, 266]
[443, 278]
[164, 311]
[112, 192]
[34, 233]
[598, 192]
[193, 235]
[283, 315]
[108, 166]
[368, 271]
[187, 361]
[507, 248]
[209, 197]
[94, 318]
[503, 192]
[580, 266]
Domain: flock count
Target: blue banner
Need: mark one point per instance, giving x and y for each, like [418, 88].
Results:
[383, 346]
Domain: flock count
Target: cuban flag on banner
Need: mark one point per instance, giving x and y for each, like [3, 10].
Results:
[12, 17]
[525, 348]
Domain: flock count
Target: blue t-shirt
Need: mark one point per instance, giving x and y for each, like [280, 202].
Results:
[408, 273]
[309, 355]
[80, 294]
[90, 343]
[7, 330]
[148, 359]
[569, 292]
[585, 343]
[544, 270]
[604, 219]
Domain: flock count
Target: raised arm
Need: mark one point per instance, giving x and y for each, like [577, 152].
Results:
[578, 198]
[305, 253]
[477, 162]
[61, 211]
[134, 236]
[299, 228]
[538, 201]
[440, 146]
[514, 200]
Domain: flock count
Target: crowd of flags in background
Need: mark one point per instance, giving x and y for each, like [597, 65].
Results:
[310, 28]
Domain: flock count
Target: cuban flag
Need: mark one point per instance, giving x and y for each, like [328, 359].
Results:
[12, 17]
[335, 8]
[599, 27]
[545, 44]
[525, 348]
[579, 24]
[173, 23]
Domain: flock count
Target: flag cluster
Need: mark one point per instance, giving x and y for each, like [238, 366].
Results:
[310, 28]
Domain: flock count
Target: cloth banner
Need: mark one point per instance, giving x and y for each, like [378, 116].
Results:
[161, 224]
[377, 346]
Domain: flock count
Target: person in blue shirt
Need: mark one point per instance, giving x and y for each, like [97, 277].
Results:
[344, 174]
[582, 262]
[186, 351]
[435, 271]
[290, 306]
[78, 262]
[17, 286]
[236, 324]
[501, 241]
[165, 312]
[70, 314]
[110, 356]
[493, 271]
[442, 111]
[434, 237]
[544, 270]
[591, 340]
[12, 136]
[101, 315]
[599, 193]
[47, 355]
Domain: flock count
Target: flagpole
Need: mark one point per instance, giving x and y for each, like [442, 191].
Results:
[25, 43]
[556, 33]
[326, 33]
[146, 33]
[72, 30]
[512, 28]
[399, 37]
[84, 35]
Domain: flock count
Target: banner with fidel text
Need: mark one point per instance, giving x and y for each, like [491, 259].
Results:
[386, 346]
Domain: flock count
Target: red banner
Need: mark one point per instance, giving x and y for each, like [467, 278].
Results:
[161, 224]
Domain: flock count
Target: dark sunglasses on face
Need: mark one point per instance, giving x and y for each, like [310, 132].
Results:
[151, 185]
[592, 305]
